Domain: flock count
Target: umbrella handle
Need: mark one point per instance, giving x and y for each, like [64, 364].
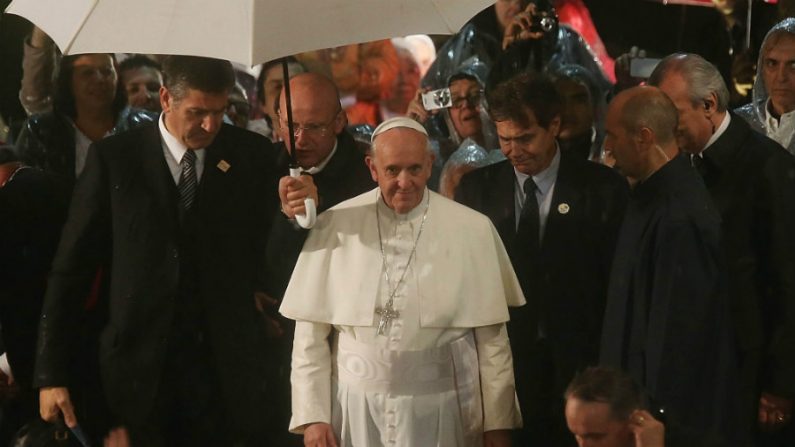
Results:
[307, 220]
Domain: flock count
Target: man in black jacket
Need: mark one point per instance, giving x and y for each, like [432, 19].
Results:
[332, 163]
[752, 182]
[180, 212]
[333, 168]
[560, 241]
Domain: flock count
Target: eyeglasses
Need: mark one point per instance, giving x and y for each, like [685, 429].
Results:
[473, 99]
[310, 130]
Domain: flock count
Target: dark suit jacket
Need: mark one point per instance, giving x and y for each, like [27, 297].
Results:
[124, 212]
[667, 316]
[752, 181]
[345, 176]
[567, 290]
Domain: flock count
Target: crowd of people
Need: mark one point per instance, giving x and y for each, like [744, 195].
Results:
[515, 245]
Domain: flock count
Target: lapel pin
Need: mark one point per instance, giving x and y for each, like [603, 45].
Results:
[223, 165]
[563, 208]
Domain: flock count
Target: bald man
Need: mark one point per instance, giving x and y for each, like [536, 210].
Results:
[667, 317]
[332, 161]
[334, 170]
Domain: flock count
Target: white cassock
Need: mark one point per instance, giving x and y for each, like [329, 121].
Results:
[442, 373]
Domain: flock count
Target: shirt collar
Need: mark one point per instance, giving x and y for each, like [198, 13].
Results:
[546, 178]
[174, 146]
[771, 122]
[322, 164]
[718, 132]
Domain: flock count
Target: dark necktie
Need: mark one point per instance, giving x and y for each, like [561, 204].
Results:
[187, 181]
[527, 232]
[700, 164]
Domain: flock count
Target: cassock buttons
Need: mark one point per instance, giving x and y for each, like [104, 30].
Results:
[563, 208]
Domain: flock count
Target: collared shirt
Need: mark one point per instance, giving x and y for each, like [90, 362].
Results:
[173, 150]
[718, 132]
[780, 129]
[545, 180]
[82, 143]
[315, 169]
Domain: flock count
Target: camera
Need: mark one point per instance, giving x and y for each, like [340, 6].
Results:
[544, 21]
[437, 99]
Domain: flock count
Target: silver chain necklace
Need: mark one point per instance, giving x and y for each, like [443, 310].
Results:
[388, 312]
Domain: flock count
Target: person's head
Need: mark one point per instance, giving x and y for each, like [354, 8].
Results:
[582, 106]
[466, 94]
[599, 402]
[317, 117]
[699, 93]
[142, 79]
[88, 83]
[526, 111]
[194, 97]
[406, 83]
[777, 60]
[507, 9]
[238, 108]
[378, 68]
[641, 122]
[270, 83]
[400, 162]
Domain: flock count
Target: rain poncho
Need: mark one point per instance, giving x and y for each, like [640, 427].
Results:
[586, 78]
[756, 111]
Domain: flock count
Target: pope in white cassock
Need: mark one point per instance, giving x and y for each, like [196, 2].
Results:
[400, 298]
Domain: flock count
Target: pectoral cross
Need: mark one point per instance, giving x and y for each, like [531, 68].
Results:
[387, 314]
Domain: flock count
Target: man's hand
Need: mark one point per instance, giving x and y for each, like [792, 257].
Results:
[774, 412]
[649, 432]
[266, 304]
[54, 401]
[293, 192]
[519, 28]
[117, 437]
[497, 438]
[319, 434]
[8, 388]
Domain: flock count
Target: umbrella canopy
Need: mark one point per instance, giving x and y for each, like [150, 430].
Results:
[245, 31]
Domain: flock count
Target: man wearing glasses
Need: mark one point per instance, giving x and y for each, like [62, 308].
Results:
[334, 170]
[558, 216]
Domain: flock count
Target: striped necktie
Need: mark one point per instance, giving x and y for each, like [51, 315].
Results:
[187, 181]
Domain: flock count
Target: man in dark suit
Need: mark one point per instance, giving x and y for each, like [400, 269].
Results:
[752, 181]
[667, 317]
[560, 241]
[179, 211]
[333, 170]
[332, 163]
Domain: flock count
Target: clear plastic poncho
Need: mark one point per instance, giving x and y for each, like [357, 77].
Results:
[754, 112]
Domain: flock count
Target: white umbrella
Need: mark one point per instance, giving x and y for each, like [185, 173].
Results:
[245, 31]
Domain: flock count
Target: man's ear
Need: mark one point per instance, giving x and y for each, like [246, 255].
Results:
[710, 105]
[165, 99]
[554, 126]
[645, 138]
[340, 122]
[371, 165]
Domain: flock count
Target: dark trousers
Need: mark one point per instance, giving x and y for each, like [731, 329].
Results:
[188, 409]
[541, 399]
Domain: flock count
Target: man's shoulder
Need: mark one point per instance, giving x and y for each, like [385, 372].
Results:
[484, 176]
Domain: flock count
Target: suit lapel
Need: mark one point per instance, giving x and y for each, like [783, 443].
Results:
[158, 177]
[500, 201]
[565, 203]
